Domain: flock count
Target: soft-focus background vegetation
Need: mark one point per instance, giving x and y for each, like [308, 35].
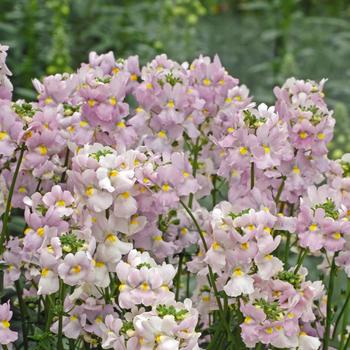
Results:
[261, 42]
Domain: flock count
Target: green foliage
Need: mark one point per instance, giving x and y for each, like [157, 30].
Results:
[164, 310]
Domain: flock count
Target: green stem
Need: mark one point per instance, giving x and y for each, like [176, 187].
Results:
[345, 320]
[347, 343]
[196, 224]
[5, 220]
[22, 308]
[211, 274]
[214, 190]
[286, 250]
[66, 160]
[252, 175]
[60, 317]
[196, 150]
[178, 276]
[300, 260]
[341, 313]
[287, 247]
[49, 309]
[188, 276]
[329, 314]
[279, 192]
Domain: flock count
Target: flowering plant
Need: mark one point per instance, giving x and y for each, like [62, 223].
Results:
[165, 210]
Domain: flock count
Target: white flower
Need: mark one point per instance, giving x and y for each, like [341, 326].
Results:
[240, 283]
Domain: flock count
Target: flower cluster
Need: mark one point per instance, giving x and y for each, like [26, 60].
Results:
[159, 207]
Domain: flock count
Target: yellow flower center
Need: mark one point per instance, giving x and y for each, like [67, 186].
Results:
[206, 298]
[266, 149]
[248, 320]
[48, 100]
[44, 272]
[185, 173]
[230, 130]
[171, 104]
[166, 187]
[3, 134]
[216, 245]
[42, 150]
[76, 269]
[91, 102]
[159, 338]
[122, 287]
[269, 330]
[145, 180]
[125, 195]
[89, 191]
[139, 109]
[134, 220]
[321, 136]
[113, 101]
[313, 227]
[121, 124]
[336, 235]
[133, 77]
[83, 123]
[60, 203]
[237, 272]
[243, 151]
[113, 173]
[22, 189]
[157, 238]
[111, 238]
[296, 170]
[267, 229]
[144, 286]
[162, 134]
[149, 86]
[5, 324]
[70, 129]
[303, 135]
[184, 231]
[98, 319]
[228, 99]
[99, 264]
[245, 245]
[40, 231]
[206, 82]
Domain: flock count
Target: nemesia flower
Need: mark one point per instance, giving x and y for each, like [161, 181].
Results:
[75, 268]
[157, 199]
[143, 281]
[6, 335]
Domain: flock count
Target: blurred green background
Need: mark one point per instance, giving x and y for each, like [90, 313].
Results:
[261, 42]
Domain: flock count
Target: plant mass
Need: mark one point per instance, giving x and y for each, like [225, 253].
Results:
[159, 207]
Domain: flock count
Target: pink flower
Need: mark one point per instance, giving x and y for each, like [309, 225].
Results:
[75, 269]
[6, 335]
